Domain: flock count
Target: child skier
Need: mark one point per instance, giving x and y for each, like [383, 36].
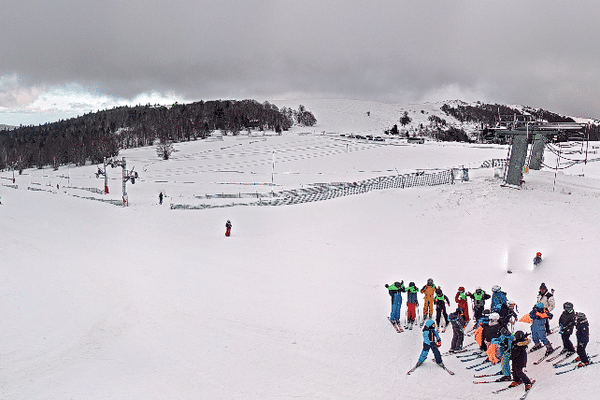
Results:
[583, 337]
[567, 323]
[479, 298]
[395, 291]
[537, 259]
[461, 300]
[428, 290]
[518, 356]
[458, 329]
[498, 298]
[504, 345]
[538, 316]
[431, 341]
[411, 303]
[507, 313]
[228, 228]
[440, 308]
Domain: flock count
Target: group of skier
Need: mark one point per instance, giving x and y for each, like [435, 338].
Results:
[491, 326]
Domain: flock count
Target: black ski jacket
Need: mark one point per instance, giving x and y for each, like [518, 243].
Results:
[567, 322]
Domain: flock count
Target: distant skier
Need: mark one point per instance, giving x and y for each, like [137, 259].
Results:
[428, 290]
[583, 337]
[567, 324]
[395, 291]
[228, 228]
[518, 356]
[538, 316]
[461, 300]
[440, 308]
[537, 259]
[547, 299]
[160, 198]
[411, 304]
[498, 298]
[479, 297]
[431, 341]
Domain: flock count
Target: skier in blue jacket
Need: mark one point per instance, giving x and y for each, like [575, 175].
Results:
[431, 341]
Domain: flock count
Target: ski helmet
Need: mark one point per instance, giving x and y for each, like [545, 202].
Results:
[504, 331]
[438, 291]
[496, 288]
[520, 336]
[478, 289]
[538, 254]
[411, 284]
[429, 324]
[568, 307]
[539, 306]
[461, 289]
[397, 284]
[430, 281]
[543, 287]
[511, 304]
[494, 316]
[580, 317]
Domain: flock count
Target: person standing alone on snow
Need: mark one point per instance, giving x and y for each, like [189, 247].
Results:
[228, 228]
[428, 291]
[431, 341]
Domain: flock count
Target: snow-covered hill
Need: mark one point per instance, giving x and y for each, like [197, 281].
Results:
[146, 302]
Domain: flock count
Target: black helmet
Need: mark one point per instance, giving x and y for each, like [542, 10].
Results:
[397, 284]
[411, 284]
[568, 306]
[430, 281]
[580, 317]
[438, 291]
[520, 336]
[504, 331]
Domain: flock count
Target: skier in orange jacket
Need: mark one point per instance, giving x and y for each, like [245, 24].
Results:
[428, 290]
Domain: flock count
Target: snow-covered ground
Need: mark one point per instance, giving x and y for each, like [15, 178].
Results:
[146, 302]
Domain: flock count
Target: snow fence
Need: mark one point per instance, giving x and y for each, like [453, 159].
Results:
[326, 191]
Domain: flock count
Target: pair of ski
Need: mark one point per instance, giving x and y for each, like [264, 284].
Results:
[514, 386]
[418, 365]
[396, 325]
[573, 368]
[546, 356]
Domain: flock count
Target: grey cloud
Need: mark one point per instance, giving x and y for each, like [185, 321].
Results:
[537, 52]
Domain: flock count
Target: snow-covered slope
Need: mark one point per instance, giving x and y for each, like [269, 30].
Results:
[146, 302]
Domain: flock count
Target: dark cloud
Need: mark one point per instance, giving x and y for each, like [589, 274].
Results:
[538, 53]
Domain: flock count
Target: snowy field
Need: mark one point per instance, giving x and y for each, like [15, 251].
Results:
[145, 302]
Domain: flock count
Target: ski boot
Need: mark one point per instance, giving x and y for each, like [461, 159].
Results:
[549, 350]
[529, 385]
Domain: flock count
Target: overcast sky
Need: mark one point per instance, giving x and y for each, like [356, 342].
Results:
[62, 58]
